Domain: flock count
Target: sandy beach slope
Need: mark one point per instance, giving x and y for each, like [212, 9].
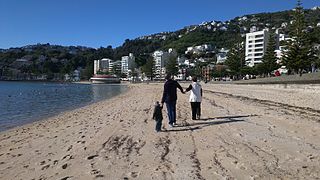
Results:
[246, 132]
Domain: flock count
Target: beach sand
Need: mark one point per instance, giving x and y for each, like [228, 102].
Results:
[246, 132]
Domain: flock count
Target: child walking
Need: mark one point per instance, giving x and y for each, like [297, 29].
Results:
[157, 116]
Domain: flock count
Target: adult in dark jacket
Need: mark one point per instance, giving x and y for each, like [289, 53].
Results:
[170, 98]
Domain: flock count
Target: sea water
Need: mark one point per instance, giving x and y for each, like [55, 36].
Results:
[26, 102]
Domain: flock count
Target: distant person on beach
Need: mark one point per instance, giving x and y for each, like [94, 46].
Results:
[157, 116]
[195, 98]
[170, 98]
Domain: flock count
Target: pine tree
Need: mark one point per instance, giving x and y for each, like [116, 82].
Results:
[299, 55]
[172, 65]
[235, 59]
[269, 61]
[148, 68]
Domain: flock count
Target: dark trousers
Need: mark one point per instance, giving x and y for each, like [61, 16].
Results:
[171, 108]
[158, 125]
[196, 109]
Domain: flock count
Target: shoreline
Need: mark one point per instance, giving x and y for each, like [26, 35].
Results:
[244, 133]
[62, 112]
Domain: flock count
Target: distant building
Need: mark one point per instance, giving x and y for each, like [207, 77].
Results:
[160, 60]
[76, 75]
[103, 65]
[127, 64]
[253, 29]
[256, 44]
[117, 66]
[181, 60]
[199, 49]
[206, 72]
[281, 49]
[67, 77]
[222, 56]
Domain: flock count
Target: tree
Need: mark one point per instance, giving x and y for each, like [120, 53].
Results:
[235, 59]
[299, 55]
[141, 59]
[148, 68]
[88, 71]
[172, 65]
[269, 61]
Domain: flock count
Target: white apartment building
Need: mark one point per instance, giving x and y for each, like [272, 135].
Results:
[281, 49]
[160, 59]
[256, 45]
[127, 63]
[222, 55]
[103, 65]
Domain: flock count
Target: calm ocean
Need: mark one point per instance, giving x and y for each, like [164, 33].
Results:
[25, 102]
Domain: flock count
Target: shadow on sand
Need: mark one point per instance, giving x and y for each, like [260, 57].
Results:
[197, 124]
[227, 117]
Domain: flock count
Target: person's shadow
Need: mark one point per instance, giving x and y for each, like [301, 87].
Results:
[205, 122]
[226, 117]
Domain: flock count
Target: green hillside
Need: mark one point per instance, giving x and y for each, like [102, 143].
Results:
[52, 59]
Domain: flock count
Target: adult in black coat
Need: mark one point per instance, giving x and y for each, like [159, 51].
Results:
[170, 98]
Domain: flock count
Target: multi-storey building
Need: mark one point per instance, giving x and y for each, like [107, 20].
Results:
[103, 65]
[206, 72]
[117, 67]
[256, 44]
[160, 59]
[222, 55]
[127, 64]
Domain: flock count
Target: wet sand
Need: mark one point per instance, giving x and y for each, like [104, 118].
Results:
[246, 132]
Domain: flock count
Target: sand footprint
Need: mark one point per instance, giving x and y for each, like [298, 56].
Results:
[92, 157]
[64, 166]
[45, 167]
[66, 178]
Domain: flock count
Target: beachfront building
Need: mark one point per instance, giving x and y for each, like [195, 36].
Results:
[256, 44]
[222, 56]
[127, 64]
[103, 65]
[160, 59]
[116, 69]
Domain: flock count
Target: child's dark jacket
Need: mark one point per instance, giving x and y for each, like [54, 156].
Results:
[157, 113]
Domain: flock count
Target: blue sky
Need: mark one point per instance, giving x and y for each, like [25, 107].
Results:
[96, 23]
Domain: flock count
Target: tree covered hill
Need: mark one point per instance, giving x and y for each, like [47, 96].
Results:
[46, 58]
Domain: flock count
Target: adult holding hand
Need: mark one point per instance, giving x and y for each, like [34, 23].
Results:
[170, 98]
